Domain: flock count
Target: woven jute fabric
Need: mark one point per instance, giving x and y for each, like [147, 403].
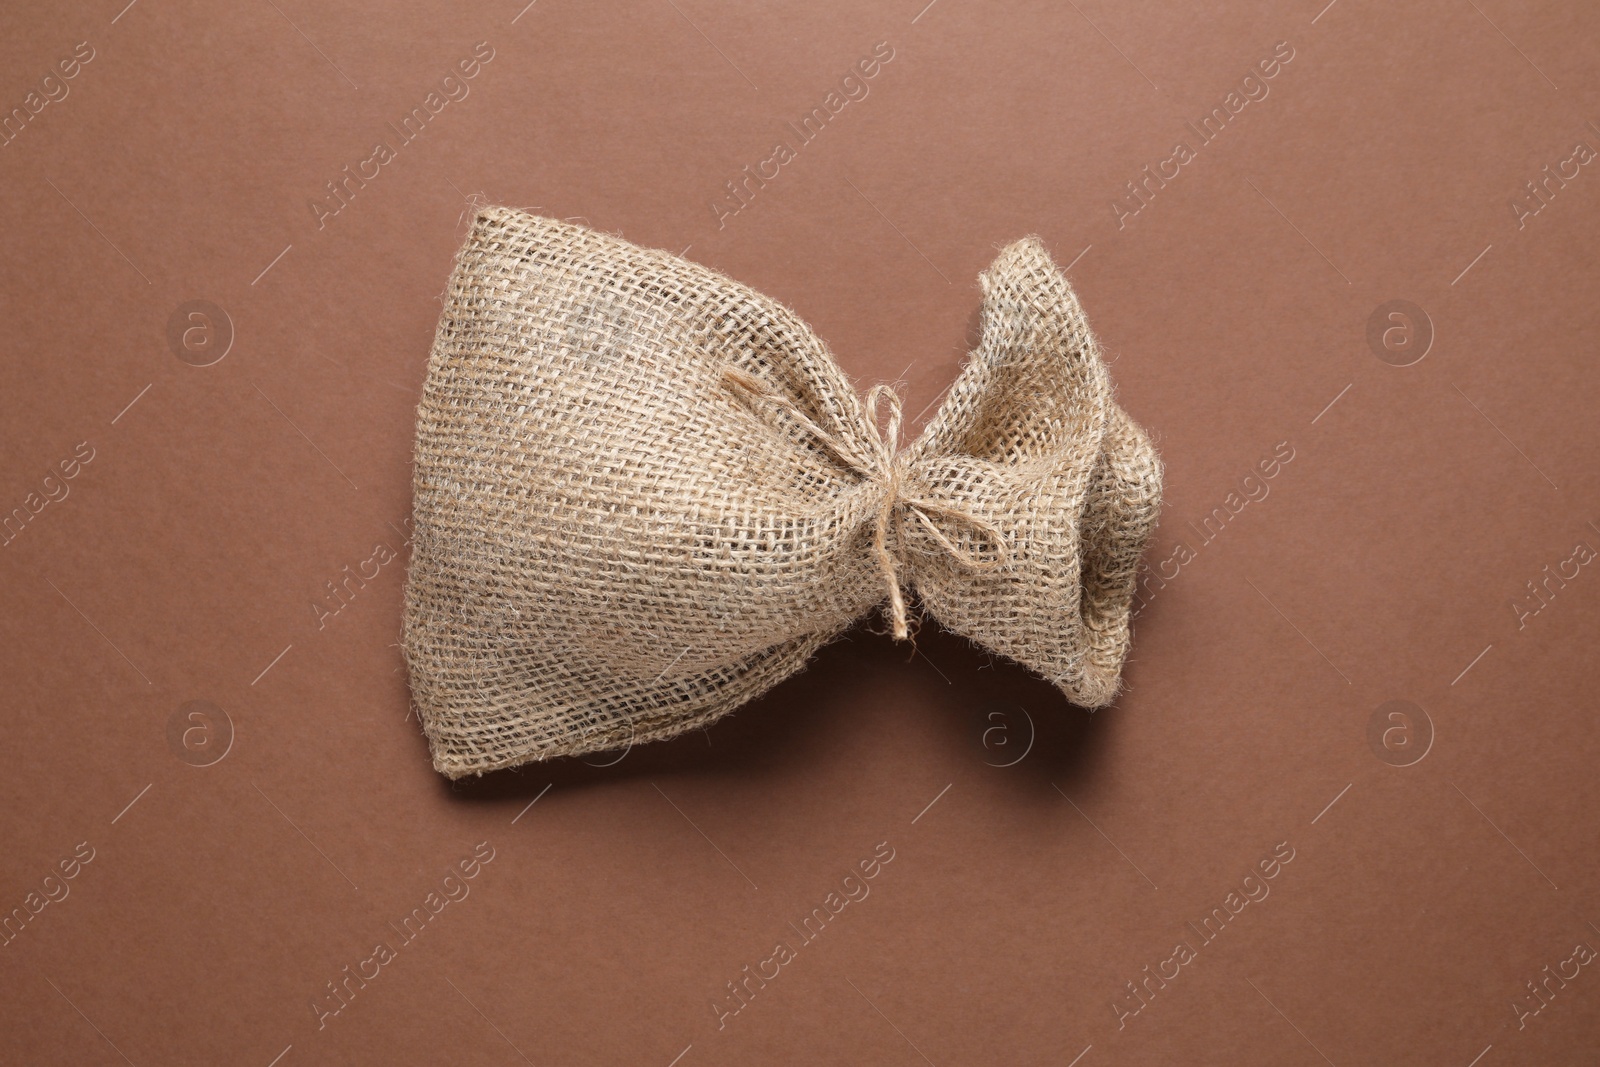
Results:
[645, 494]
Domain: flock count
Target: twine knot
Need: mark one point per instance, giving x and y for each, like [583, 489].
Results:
[887, 466]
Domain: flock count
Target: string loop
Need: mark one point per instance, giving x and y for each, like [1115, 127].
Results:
[888, 469]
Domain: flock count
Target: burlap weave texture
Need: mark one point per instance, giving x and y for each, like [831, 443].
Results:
[645, 494]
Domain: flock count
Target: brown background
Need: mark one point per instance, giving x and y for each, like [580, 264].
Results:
[1383, 565]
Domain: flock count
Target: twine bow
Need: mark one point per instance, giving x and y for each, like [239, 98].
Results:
[608, 548]
[888, 469]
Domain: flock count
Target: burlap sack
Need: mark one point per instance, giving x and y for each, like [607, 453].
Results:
[645, 494]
